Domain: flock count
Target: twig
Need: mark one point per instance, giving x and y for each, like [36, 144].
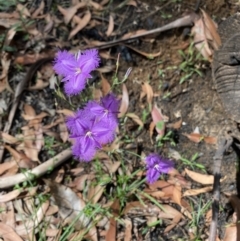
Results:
[38, 171]
[187, 20]
[223, 146]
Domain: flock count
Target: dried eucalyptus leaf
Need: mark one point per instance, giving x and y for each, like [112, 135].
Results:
[70, 205]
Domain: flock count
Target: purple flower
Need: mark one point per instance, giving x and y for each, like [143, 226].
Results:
[106, 111]
[93, 126]
[76, 69]
[157, 165]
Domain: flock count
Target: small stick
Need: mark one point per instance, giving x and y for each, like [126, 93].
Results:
[223, 146]
[187, 20]
[38, 171]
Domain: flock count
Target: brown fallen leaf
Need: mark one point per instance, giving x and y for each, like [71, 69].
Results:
[128, 230]
[96, 5]
[30, 148]
[106, 88]
[70, 12]
[19, 158]
[23, 10]
[230, 233]
[193, 192]
[112, 230]
[147, 90]
[210, 139]
[197, 137]
[70, 205]
[133, 205]
[81, 23]
[39, 10]
[106, 69]
[95, 193]
[194, 137]
[170, 213]
[25, 229]
[97, 94]
[211, 30]
[131, 34]
[6, 166]
[9, 196]
[158, 120]
[8, 233]
[135, 118]
[7, 138]
[148, 55]
[66, 112]
[200, 178]
[63, 130]
[200, 39]
[176, 125]
[110, 26]
[39, 85]
[235, 202]
[124, 102]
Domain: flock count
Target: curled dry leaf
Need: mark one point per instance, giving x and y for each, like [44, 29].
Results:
[112, 231]
[147, 90]
[197, 137]
[230, 233]
[135, 205]
[96, 5]
[66, 112]
[193, 192]
[30, 148]
[169, 213]
[23, 10]
[158, 120]
[106, 69]
[211, 30]
[81, 23]
[135, 33]
[148, 55]
[128, 230]
[6, 166]
[200, 39]
[110, 26]
[95, 193]
[132, 3]
[8, 233]
[70, 205]
[7, 138]
[25, 229]
[63, 130]
[39, 10]
[9, 196]
[106, 88]
[201, 178]
[177, 125]
[40, 85]
[70, 12]
[125, 102]
[97, 94]
[135, 118]
[194, 137]
[210, 139]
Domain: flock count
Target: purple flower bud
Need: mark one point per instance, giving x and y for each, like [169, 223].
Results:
[157, 165]
[76, 69]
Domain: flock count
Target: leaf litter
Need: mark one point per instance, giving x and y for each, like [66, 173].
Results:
[164, 201]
